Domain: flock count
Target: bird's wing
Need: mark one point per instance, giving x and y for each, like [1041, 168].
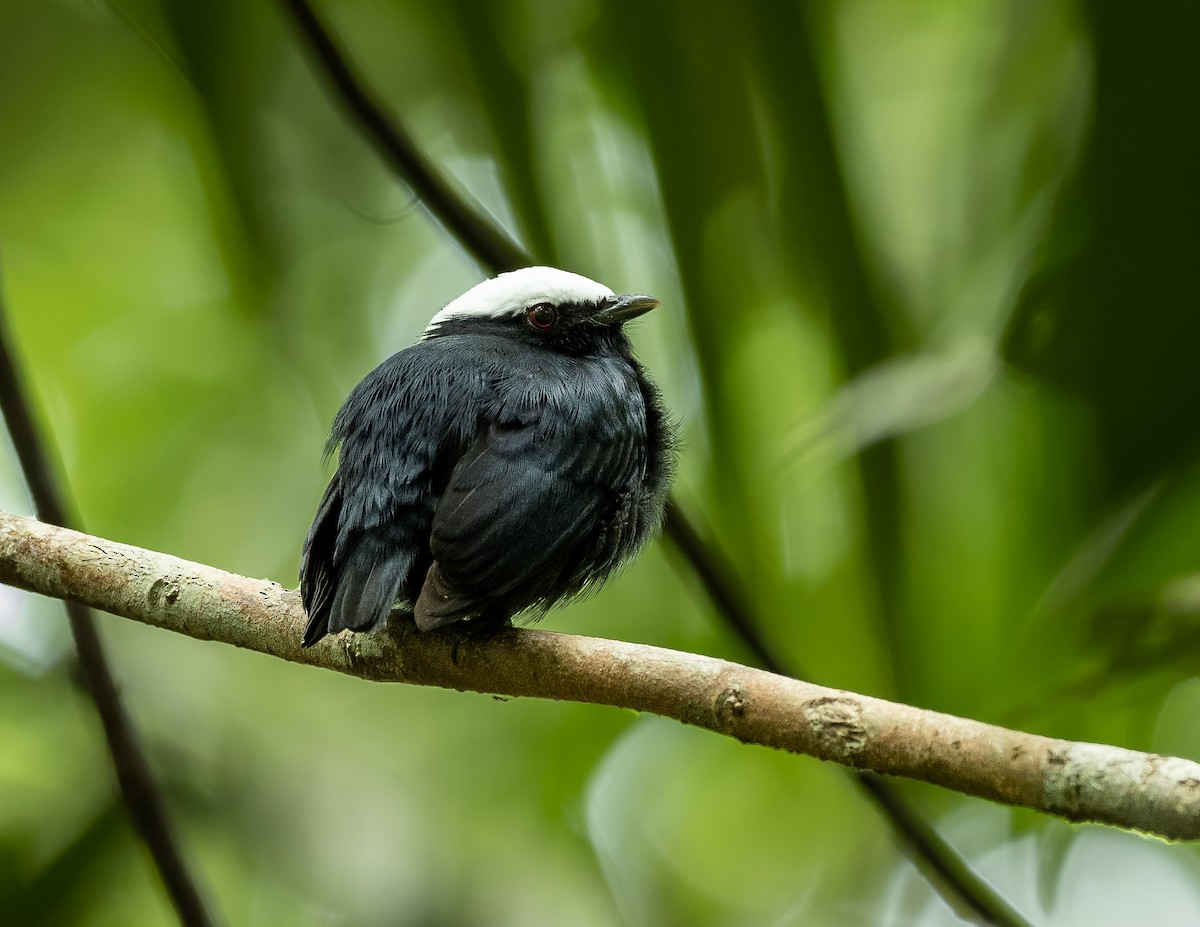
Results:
[370, 528]
[520, 506]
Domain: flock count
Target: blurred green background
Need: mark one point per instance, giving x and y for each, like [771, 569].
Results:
[930, 322]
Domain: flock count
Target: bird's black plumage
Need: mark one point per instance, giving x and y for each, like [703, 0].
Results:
[495, 467]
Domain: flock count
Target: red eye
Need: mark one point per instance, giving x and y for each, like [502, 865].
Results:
[542, 316]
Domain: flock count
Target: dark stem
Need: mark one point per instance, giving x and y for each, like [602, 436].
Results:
[487, 242]
[938, 862]
[139, 791]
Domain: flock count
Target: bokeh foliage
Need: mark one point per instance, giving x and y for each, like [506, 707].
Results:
[929, 325]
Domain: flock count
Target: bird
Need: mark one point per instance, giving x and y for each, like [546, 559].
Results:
[512, 458]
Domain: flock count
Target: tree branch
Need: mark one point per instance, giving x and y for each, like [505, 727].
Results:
[1078, 781]
[139, 791]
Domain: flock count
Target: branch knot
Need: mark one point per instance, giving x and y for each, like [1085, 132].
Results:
[837, 722]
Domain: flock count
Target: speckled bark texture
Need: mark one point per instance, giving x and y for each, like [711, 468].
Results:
[1079, 781]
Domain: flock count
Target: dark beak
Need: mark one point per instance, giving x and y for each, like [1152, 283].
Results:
[618, 309]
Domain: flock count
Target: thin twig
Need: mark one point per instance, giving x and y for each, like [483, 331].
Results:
[720, 582]
[139, 791]
[1079, 781]
[942, 866]
[946, 869]
[486, 242]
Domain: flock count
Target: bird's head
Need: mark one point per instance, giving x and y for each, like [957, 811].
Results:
[542, 306]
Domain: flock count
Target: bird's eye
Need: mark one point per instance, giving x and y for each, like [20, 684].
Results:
[542, 316]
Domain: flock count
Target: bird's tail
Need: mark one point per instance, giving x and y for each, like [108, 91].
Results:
[367, 587]
[318, 577]
[353, 588]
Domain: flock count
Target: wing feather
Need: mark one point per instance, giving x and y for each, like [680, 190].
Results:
[396, 432]
[528, 496]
